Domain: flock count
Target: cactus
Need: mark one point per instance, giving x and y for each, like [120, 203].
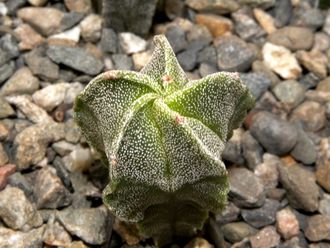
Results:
[162, 138]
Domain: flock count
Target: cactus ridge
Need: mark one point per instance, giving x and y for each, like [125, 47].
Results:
[162, 138]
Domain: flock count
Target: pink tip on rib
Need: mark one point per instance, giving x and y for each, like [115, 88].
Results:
[179, 119]
[167, 79]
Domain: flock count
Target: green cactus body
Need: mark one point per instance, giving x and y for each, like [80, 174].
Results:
[162, 138]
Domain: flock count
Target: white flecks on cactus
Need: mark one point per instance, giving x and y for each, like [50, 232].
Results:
[162, 138]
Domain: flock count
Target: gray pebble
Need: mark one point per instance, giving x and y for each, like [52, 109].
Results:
[257, 82]
[6, 71]
[177, 38]
[109, 41]
[122, 62]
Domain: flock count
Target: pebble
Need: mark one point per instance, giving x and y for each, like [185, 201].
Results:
[21, 82]
[323, 164]
[324, 85]
[282, 12]
[206, 69]
[5, 109]
[326, 26]
[218, 6]
[266, 237]
[233, 148]
[233, 54]
[290, 92]
[109, 40]
[287, 223]
[252, 151]
[68, 37]
[51, 96]
[281, 61]
[304, 150]
[187, 59]
[132, 43]
[6, 71]
[56, 235]
[141, 59]
[8, 43]
[42, 66]
[216, 24]
[45, 20]
[301, 187]
[257, 82]
[174, 8]
[325, 204]
[246, 189]
[266, 21]
[3, 156]
[276, 135]
[318, 228]
[237, 231]
[311, 115]
[72, 92]
[20, 181]
[5, 171]
[4, 131]
[263, 216]
[80, 6]
[16, 239]
[318, 96]
[91, 28]
[309, 80]
[245, 25]
[38, 3]
[49, 190]
[122, 62]
[18, 214]
[268, 170]
[32, 111]
[229, 214]
[207, 55]
[80, 159]
[314, 61]
[312, 18]
[293, 38]
[198, 243]
[92, 225]
[260, 67]
[177, 38]
[63, 147]
[321, 42]
[31, 143]
[29, 38]
[75, 58]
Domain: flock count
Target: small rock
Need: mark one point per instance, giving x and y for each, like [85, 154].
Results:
[4, 131]
[174, 8]
[22, 82]
[246, 189]
[122, 62]
[263, 216]
[6, 71]
[260, 67]
[72, 92]
[233, 54]
[109, 41]
[3, 156]
[5, 109]
[79, 6]
[228, 214]
[323, 164]
[252, 151]
[141, 59]
[325, 205]
[281, 61]
[63, 148]
[10, 238]
[80, 159]
[77, 244]
[318, 96]
[127, 231]
[16, 210]
[282, 12]
[31, 144]
[51, 96]
[324, 85]
[56, 235]
[32, 111]
[92, 225]
[41, 66]
[314, 61]
[293, 38]
[305, 150]
[72, 131]
[217, 25]
[91, 28]
[5, 172]
[310, 80]
[177, 38]
[187, 60]
[233, 148]
[8, 43]
[290, 92]
[318, 228]
[276, 135]
[235, 232]
[217, 6]
[76, 58]
[198, 243]
[258, 83]
[68, 37]
[268, 170]
[311, 115]
[265, 20]
[287, 223]
[49, 190]
[19, 181]
[312, 18]
[38, 3]
[132, 43]
[206, 69]
[207, 55]
[29, 38]
[267, 237]
[302, 190]
[45, 20]
[326, 27]
[199, 33]
[321, 42]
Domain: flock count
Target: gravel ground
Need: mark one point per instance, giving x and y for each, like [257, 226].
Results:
[279, 161]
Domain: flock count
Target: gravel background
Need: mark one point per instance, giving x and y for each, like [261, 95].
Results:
[278, 161]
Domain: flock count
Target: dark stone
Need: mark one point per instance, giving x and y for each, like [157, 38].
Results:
[71, 19]
[233, 54]
[233, 149]
[258, 83]
[252, 151]
[228, 214]
[305, 150]
[9, 44]
[109, 41]
[19, 181]
[276, 135]
[263, 216]
[76, 58]
[6, 71]
[13, 5]
[62, 173]
[207, 55]
[177, 38]
[122, 62]
[235, 232]
[282, 12]
[187, 60]
[308, 17]
[309, 81]
[129, 15]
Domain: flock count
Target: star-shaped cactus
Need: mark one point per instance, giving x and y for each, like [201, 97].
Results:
[162, 138]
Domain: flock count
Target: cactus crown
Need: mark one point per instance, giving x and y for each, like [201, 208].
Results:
[162, 138]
